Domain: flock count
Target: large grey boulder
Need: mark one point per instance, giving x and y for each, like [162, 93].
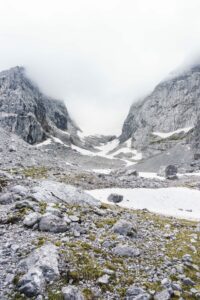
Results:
[55, 192]
[6, 198]
[115, 198]
[31, 219]
[71, 292]
[52, 223]
[20, 190]
[126, 251]
[136, 293]
[32, 283]
[40, 267]
[163, 295]
[126, 228]
[171, 172]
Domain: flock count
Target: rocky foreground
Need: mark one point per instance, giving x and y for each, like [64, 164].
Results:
[58, 242]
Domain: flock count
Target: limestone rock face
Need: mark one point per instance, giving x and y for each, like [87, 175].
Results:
[25, 111]
[174, 104]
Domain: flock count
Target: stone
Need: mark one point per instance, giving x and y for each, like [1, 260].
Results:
[126, 228]
[40, 268]
[32, 283]
[176, 287]
[132, 172]
[12, 148]
[171, 172]
[163, 295]
[196, 156]
[74, 218]
[57, 192]
[72, 293]
[6, 198]
[126, 251]
[104, 279]
[53, 211]
[188, 281]
[166, 282]
[187, 258]
[31, 219]
[115, 198]
[20, 190]
[52, 223]
[26, 203]
[44, 258]
[136, 293]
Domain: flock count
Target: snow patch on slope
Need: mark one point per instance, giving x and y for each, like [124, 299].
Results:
[165, 135]
[150, 175]
[177, 201]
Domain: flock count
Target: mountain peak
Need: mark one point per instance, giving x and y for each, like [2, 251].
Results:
[27, 112]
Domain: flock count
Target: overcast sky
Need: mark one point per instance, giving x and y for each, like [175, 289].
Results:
[98, 55]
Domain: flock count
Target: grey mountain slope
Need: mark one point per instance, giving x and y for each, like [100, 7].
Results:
[25, 111]
[173, 104]
[180, 155]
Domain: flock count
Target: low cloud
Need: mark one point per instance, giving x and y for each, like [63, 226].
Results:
[99, 56]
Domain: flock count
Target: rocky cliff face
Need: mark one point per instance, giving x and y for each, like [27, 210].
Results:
[173, 104]
[25, 111]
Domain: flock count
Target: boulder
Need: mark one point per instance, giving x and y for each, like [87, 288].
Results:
[72, 293]
[163, 295]
[40, 267]
[188, 281]
[31, 219]
[53, 223]
[126, 251]
[32, 283]
[104, 279]
[136, 293]
[196, 156]
[20, 190]
[55, 192]
[6, 198]
[115, 198]
[124, 227]
[132, 172]
[12, 148]
[171, 172]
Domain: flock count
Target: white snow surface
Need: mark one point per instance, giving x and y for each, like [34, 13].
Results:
[107, 148]
[178, 202]
[45, 143]
[83, 151]
[101, 171]
[165, 135]
[150, 175]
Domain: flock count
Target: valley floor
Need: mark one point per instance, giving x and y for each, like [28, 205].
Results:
[146, 247]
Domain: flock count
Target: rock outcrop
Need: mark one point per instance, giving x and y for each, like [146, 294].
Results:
[174, 104]
[40, 267]
[30, 114]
